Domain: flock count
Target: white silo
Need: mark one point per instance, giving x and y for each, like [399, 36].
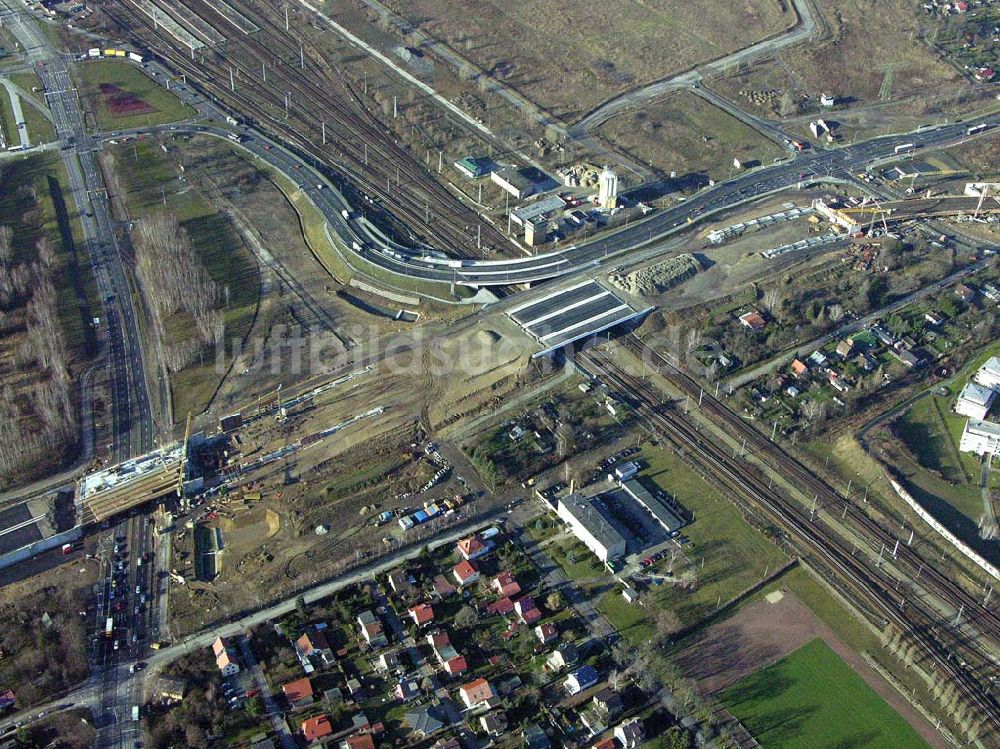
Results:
[607, 189]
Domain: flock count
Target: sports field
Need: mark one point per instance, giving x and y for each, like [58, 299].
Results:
[811, 699]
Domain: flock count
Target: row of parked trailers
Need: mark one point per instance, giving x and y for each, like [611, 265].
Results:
[113, 53]
[430, 510]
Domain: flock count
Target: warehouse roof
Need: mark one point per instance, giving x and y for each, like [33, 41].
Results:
[590, 513]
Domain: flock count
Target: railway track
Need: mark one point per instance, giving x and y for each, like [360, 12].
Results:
[905, 556]
[358, 146]
[886, 600]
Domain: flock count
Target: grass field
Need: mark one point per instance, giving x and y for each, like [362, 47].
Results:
[812, 699]
[568, 61]
[155, 187]
[130, 81]
[686, 134]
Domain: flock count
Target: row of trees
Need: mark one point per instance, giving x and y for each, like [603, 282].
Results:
[173, 280]
[36, 408]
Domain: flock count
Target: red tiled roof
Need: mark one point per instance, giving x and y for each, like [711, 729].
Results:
[422, 613]
[477, 691]
[364, 741]
[467, 547]
[457, 665]
[314, 728]
[464, 570]
[298, 689]
[503, 606]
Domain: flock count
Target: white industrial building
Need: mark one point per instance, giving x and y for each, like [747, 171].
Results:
[989, 374]
[607, 189]
[980, 437]
[975, 401]
[591, 524]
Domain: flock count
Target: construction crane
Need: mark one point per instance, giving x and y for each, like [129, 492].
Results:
[184, 455]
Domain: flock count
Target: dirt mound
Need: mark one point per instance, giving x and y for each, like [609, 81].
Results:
[655, 279]
[244, 522]
[488, 336]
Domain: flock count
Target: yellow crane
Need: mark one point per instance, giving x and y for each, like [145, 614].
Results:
[184, 455]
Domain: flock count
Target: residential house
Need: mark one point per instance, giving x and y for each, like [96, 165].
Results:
[168, 689]
[313, 729]
[456, 666]
[387, 662]
[563, 656]
[534, 737]
[818, 359]
[466, 573]
[425, 720]
[299, 693]
[449, 743]
[475, 692]
[753, 320]
[845, 349]
[313, 645]
[799, 368]
[581, 679]
[502, 607]
[606, 743]
[494, 724]
[473, 547]
[356, 689]
[261, 741]
[546, 633]
[442, 587]
[906, 357]
[407, 689]
[630, 733]
[933, 318]
[527, 610]
[422, 614]
[506, 585]
[361, 741]
[608, 703]
[441, 645]
[966, 293]
[371, 630]
[225, 657]
[400, 583]
[793, 392]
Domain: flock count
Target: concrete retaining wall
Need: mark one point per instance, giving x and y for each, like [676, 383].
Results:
[42, 545]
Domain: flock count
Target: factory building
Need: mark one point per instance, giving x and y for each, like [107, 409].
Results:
[980, 437]
[666, 517]
[593, 525]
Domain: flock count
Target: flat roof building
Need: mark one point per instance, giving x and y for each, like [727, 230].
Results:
[510, 179]
[975, 401]
[592, 524]
[663, 515]
[989, 374]
[537, 209]
[980, 437]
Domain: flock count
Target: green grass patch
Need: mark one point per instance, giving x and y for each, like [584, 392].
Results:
[576, 559]
[40, 130]
[630, 619]
[726, 553]
[812, 699]
[121, 96]
[932, 433]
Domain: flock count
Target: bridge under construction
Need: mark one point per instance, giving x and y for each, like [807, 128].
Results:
[854, 218]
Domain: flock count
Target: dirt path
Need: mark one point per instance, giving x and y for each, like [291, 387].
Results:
[765, 632]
